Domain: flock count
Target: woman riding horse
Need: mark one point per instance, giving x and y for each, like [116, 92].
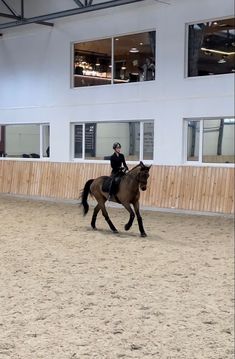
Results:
[128, 193]
[117, 160]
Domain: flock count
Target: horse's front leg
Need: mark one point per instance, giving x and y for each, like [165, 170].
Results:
[132, 216]
[139, 219]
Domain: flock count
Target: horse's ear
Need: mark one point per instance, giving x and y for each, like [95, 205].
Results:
[141, 164]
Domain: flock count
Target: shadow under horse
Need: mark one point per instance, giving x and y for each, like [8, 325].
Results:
[128, 193]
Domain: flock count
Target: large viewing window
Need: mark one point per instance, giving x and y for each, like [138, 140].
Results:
[94, 141]
[25, 141]
[211, 48]
[211, 140]
[129, 58]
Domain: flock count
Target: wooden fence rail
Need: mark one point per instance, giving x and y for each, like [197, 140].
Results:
[209, 189]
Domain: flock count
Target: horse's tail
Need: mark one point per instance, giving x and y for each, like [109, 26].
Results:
[84, 195]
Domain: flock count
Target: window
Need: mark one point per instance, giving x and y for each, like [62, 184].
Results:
[129, 58]
[211, 48]
[211, 140]
[25, 141]
[94, 141]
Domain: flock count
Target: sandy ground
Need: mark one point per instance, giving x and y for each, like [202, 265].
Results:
[68, 292]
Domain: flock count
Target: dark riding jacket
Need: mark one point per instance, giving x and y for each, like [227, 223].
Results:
[117, 162]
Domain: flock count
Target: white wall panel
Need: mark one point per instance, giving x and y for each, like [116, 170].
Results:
[35, 75]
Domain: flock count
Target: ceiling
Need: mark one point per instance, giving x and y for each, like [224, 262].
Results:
[15, 13]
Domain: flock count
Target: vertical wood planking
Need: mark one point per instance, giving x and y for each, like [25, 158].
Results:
[183, 187]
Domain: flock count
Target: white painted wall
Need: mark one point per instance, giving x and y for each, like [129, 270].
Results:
[35, 65]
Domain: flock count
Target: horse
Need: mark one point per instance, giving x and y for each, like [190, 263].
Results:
[128, 193]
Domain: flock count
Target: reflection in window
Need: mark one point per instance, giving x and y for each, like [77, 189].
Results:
[27, 141]
[193, 140]
[92, 63]
[133, 59]
[148, 141]
[98, 140]
[211, 48]
[78, 135]
[211, 140]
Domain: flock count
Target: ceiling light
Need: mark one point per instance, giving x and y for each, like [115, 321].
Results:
[221, 61]
[134, 50]
[218, 51]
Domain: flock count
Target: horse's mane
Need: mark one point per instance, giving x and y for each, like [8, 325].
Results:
[141, 164]
[134, 168]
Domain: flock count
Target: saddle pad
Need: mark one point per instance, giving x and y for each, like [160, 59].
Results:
[106, 184]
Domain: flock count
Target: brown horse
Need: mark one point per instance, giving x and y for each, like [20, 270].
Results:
[128, 193]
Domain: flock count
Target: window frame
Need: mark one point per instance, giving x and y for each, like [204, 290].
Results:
[186, 52]
[200, 152]
[41, 141]
[112, 37]
[84, 160]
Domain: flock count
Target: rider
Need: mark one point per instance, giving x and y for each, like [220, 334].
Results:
[117, 160]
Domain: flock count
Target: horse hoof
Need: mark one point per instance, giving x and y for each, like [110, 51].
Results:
[127, 227]
[143, 235]
[115, 231]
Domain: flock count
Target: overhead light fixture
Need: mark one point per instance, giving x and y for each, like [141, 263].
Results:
[134, 50]
[218, 51]
[123, 66]
[221, 61]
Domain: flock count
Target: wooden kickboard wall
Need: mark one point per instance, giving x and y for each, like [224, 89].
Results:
[204, 189]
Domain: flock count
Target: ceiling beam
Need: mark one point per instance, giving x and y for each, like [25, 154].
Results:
[21, 18]
[70, 12]
[9, 8]
[79, 3]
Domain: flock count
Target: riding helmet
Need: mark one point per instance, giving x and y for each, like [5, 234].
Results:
[116, 144]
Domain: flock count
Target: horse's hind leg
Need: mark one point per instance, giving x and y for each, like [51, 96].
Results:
[106, 216]
[139, 219]
[132, 216]
[94, 216]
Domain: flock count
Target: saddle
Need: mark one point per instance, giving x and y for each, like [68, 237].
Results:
[113, 181]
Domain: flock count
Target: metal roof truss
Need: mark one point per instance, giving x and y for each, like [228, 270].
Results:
[83, 6]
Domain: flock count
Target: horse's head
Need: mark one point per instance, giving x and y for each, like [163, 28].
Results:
[143, 176]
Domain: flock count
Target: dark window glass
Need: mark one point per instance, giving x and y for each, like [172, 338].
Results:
[92, 63]
[134, 57]
[78, 133]
[211, 48]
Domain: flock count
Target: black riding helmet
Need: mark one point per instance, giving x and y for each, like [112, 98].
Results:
[116, 144]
